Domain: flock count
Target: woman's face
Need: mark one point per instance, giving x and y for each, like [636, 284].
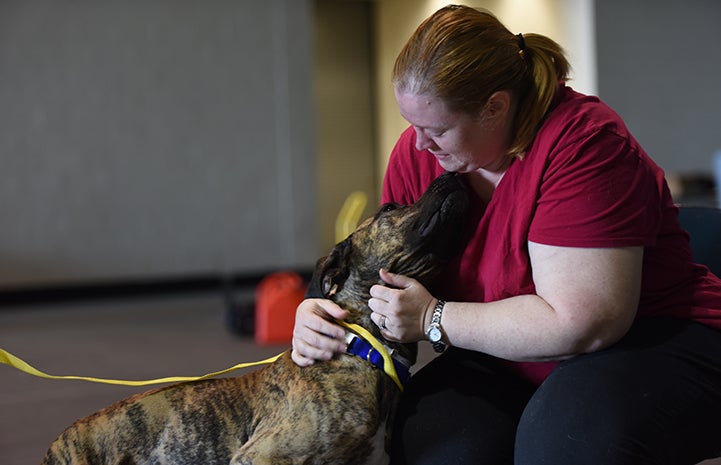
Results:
[459, 142]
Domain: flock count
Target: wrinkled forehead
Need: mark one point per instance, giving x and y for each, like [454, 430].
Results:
[392, 215]
[385, 227]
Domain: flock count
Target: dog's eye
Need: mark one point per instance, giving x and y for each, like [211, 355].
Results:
[389, 207]
[329, 288]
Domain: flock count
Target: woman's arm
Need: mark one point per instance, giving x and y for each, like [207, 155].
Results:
[586, 299]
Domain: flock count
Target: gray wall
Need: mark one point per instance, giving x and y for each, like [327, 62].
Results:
[344, 104]
[154, 138]
[659, 64]
[177, 137]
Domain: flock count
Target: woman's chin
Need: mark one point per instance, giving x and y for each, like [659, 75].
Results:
[446, 162]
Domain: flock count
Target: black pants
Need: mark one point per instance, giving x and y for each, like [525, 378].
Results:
[653, 398]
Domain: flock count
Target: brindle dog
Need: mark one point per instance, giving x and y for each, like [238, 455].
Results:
[334, 412]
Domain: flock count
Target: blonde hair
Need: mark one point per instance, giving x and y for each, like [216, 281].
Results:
[463, 55]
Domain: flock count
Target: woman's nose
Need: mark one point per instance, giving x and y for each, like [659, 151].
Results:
[423, 142]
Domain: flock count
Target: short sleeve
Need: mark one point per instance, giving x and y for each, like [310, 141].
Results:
[598, 191]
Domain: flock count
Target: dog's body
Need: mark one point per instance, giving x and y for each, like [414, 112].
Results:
[335, 412]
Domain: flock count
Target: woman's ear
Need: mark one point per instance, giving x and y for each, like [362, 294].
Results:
[498, 106]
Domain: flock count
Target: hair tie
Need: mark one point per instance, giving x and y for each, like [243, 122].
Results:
[521, 46]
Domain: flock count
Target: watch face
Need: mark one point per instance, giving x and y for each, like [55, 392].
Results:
[434, 334]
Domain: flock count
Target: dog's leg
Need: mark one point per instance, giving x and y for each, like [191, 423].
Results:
[263, 449]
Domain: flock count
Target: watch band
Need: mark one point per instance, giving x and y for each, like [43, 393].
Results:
[438, 345]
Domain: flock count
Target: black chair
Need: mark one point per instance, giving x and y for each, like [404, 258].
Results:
[704, 226]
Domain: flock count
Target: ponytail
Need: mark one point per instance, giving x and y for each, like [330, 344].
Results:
[547, 66]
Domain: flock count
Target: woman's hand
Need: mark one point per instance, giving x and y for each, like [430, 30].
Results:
[315, 335]
[402, 311]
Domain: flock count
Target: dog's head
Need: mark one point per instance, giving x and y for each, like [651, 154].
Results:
[415, 240]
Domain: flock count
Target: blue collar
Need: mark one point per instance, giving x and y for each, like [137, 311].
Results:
[361, 348]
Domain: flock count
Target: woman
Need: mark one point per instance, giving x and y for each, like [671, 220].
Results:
[579, 330]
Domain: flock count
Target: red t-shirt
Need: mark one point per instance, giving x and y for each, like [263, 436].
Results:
[585, 182]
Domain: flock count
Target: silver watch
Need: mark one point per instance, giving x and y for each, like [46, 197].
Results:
[434, 332]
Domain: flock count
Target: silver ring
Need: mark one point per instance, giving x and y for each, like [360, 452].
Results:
[383, 322]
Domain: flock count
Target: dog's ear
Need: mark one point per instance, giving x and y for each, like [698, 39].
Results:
[314, 287]
[330, 272]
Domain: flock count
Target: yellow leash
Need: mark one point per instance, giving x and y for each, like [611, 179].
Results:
[9, 359]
